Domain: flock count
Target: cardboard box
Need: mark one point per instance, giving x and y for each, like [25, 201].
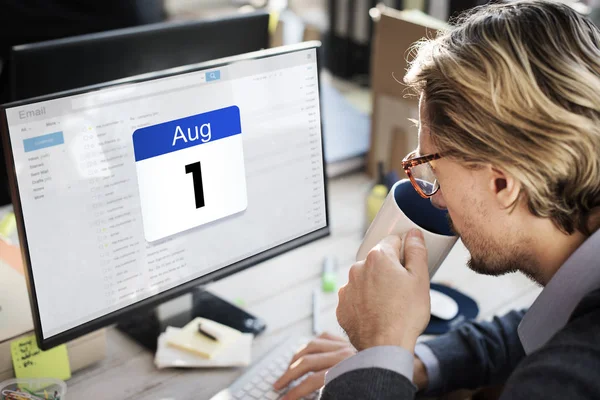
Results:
[276, 27]
[311, 32]
[401, 140]
[392, 134]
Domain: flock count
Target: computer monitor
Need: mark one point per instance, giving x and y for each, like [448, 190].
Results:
[130, 194]
[63, 64]
[57, 65]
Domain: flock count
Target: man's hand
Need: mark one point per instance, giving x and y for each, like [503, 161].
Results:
[317, 357]
[385, 303]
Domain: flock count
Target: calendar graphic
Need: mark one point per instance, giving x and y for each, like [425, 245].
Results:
[190, 171]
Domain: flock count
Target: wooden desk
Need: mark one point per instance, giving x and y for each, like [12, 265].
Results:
[279, 290]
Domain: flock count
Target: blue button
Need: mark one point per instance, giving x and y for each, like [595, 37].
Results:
[213, 76]
[44, 141]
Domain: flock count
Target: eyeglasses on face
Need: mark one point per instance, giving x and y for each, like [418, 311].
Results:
[421, 174]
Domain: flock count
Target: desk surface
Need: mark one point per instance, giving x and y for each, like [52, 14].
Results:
[279, 291]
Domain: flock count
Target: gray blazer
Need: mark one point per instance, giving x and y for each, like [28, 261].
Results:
[489, 353]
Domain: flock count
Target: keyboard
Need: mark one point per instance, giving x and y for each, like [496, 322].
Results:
[257, 381]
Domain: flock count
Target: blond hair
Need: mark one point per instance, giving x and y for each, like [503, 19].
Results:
[517, 85]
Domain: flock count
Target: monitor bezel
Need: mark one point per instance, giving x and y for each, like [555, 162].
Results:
[18, 52]
[155, 300]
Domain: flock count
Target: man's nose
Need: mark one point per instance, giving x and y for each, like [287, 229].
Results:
[438, 200]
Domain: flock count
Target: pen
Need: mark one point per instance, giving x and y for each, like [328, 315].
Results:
[203, 331]
[316, 307]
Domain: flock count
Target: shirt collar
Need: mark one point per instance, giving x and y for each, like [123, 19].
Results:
[550, 312]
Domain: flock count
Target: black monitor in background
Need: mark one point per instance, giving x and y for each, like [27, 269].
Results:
[64, 64]
[58, 65]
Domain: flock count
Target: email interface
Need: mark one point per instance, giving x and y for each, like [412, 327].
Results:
[132, 190]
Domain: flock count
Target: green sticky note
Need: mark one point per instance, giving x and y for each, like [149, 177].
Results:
[31, 362]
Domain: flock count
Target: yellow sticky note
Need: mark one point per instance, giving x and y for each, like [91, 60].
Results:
[8, 223]
[31, 362]
[273, 21]
[188, 338]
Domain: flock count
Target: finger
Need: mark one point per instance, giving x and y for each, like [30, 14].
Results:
[319, 346]
[389, 245]
[340, 310]
[309, 385]
[415, 254]
[330, 336]
[354, 274]
[308, 363]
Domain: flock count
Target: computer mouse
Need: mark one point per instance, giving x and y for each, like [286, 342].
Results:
[442, 305]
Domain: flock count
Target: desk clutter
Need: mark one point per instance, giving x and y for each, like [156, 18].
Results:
[33, 389]
[40, 374]
[203, 343]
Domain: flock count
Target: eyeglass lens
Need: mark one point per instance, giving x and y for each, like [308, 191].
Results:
[425, 178]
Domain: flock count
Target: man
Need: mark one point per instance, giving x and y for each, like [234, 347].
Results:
[510, 111]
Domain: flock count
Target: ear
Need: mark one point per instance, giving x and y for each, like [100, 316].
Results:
[504, 187]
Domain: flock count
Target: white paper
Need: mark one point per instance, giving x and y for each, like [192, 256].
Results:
[238, 354]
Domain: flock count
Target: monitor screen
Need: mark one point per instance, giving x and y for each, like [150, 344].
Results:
[130, 194]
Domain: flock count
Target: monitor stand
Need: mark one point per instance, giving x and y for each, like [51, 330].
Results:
[145, 327]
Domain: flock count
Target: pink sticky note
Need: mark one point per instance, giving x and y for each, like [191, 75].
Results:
[11, 255]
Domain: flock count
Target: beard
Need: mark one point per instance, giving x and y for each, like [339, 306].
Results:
[488, 257]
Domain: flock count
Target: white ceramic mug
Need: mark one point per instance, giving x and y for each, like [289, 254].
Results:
[403, 210]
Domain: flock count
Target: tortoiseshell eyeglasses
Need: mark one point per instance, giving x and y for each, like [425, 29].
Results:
[421, 174]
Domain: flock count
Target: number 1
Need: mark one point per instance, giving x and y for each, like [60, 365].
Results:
[196, 172]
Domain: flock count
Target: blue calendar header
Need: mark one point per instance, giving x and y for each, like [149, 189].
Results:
[166, 137]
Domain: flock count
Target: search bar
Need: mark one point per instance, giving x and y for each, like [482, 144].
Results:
[143, 89]
[213, 76]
